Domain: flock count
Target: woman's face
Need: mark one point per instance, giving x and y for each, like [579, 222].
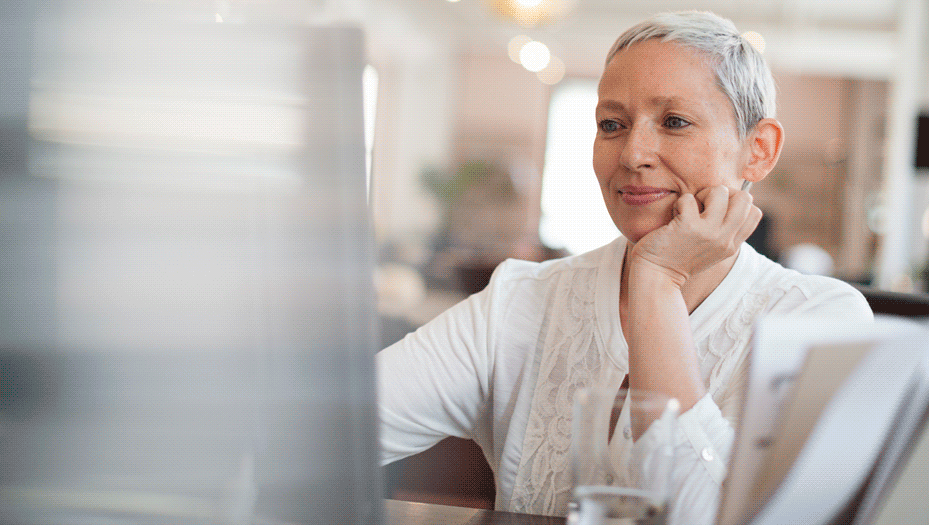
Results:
[664, 128]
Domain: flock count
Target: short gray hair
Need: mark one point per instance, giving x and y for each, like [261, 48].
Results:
[741, 72]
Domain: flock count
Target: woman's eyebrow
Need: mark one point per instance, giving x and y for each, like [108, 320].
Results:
[658, 101]
[669, 101]
[611, 105]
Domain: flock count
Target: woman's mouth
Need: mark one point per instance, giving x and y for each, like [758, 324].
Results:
[642, 195]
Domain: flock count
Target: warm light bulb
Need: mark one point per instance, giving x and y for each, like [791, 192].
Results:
[534, 56]
[516, 45]
[532, 13]
[755, 39]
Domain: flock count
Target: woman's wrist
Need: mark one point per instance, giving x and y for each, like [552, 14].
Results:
[652, 275]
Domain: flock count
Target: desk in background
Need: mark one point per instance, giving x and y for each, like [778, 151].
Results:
[408, 513]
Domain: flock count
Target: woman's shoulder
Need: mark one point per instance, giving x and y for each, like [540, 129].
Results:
[795, 292]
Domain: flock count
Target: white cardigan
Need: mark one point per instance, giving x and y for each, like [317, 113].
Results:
[501, 367]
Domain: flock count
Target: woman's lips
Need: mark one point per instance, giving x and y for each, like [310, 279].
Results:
[642, 195]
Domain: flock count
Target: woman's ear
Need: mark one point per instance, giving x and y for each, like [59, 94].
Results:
[765, 142]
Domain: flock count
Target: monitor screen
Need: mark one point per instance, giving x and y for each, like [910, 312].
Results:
[187, 332]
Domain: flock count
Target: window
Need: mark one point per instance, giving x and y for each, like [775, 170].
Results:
[573, 214]
[369, 82]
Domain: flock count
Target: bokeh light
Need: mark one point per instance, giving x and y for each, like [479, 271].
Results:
[553, 73]
[516, 45]
[534, 56]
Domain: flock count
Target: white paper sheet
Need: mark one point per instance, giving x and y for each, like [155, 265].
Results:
[779, 351]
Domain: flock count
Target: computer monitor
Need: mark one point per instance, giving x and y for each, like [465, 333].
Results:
[187, 329]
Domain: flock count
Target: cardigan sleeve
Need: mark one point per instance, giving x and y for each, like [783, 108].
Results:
[432, 383]
[438, 381]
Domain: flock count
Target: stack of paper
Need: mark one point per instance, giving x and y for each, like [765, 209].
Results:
[830, 413]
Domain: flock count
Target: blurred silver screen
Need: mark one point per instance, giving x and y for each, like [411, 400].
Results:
[186, 327]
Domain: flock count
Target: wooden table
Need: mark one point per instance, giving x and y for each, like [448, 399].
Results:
[407, 513]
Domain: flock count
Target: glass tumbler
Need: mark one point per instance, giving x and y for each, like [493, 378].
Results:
[622, 457]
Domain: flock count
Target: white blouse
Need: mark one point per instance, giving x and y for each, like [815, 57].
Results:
[502, 366]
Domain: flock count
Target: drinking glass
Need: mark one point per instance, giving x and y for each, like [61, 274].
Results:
[622, 457]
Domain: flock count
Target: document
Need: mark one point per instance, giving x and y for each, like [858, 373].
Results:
[821, 399]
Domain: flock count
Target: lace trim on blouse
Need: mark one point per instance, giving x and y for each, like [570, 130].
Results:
[734, 333]
[572, 359]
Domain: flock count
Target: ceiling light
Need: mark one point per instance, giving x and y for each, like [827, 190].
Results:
[534, 56]
[531, 13]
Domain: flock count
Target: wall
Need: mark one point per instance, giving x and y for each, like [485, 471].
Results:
[502, 118]
[829, 172]
[416, 102]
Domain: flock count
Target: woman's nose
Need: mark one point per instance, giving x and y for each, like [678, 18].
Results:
[641, 148]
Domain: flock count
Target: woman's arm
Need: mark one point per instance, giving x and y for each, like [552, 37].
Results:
[662, 354]
[433, 383]
[668, 273]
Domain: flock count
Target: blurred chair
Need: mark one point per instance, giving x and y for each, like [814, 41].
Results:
[895, 303]
[453, 472]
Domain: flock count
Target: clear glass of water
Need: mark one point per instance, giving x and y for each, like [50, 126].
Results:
[622, 457]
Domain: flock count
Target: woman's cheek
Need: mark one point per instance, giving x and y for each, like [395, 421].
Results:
[708, 175]
[605, 163]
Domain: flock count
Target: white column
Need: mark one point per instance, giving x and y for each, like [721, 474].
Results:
[894, 255]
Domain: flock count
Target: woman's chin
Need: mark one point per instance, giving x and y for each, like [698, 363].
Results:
[634, 228]
[634, 235]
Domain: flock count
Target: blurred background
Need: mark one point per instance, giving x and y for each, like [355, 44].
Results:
[184, 240]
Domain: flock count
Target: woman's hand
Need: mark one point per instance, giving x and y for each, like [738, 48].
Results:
[706, 229]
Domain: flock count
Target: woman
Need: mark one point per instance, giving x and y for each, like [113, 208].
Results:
[685, 115]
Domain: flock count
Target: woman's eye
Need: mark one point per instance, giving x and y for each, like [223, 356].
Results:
[609, 126]
[675, 122]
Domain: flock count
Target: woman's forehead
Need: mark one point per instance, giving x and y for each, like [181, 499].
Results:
[659, 59]
[664, 69]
